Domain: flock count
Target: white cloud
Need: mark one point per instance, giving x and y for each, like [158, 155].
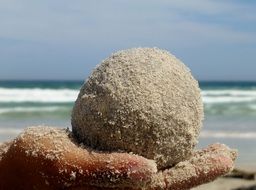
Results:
[117, 22]
[215, 8]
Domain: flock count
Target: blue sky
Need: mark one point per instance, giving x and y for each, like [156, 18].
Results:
[67, 39]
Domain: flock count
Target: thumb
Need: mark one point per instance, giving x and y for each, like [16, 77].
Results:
[52, 158]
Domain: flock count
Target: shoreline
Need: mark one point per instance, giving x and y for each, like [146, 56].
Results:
[232, 182]
[228, 184]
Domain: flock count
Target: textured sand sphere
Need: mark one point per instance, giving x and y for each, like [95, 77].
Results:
[141, 100]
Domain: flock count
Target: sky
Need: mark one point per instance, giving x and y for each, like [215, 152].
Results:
[65, 40]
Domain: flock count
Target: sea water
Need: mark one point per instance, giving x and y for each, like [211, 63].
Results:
[230, 111]
[230, 117]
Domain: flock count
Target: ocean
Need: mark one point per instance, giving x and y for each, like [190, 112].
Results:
[230, 111]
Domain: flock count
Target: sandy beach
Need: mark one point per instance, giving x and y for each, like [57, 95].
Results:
[226, 121]
[226, 183]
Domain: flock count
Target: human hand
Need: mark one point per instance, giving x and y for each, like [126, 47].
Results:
[50, 158]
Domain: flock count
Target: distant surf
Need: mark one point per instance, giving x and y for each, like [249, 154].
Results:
[225, 104]
[37, 95]
[228, 134]
[216, 101]
[228, 96]
[69, 95]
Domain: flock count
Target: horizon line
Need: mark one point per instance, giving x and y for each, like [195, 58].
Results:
[82, 80]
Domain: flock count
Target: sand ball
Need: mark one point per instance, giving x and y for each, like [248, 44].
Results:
[140, 100]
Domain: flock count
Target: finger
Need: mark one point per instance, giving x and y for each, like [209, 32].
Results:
[51, 158]
[218, 148]
[206, 165]
[3, 148]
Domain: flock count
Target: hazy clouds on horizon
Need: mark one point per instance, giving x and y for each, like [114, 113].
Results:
[66, 39]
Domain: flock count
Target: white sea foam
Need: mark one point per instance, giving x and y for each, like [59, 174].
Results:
[228, 96]
[69, 95]
[228, 134]
[37, 95]
[227, 99]
[29, 109]
[247, 93]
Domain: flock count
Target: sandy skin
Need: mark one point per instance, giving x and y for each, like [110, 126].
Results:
[50, 158]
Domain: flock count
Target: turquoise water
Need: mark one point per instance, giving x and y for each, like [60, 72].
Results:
[230, 110]
[230, 117]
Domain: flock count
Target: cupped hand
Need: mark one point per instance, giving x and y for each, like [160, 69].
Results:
[50, 158]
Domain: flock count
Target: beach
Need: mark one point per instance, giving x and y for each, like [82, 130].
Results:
[230, 116]
[228, 184]
[232, 183]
